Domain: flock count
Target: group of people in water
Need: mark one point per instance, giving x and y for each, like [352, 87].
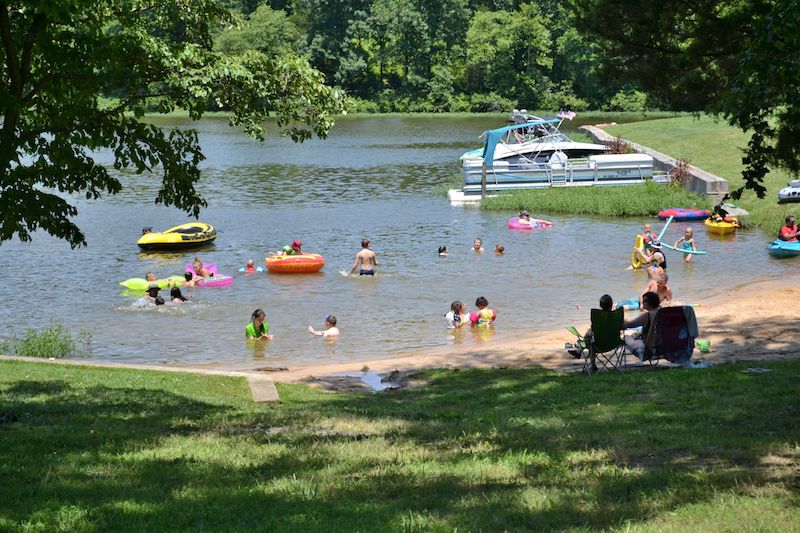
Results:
[655, 293]
[458, 317]
[258, 327]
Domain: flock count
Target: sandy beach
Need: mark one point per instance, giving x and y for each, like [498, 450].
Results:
[752, 322]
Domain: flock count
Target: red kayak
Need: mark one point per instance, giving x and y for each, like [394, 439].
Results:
[679, 213]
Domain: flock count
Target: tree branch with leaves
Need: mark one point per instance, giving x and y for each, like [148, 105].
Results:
[60, 57]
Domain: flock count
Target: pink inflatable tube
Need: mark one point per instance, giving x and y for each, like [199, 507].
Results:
[217, 280]
[514, 223]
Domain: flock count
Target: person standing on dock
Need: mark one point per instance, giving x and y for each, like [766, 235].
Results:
[366, 259]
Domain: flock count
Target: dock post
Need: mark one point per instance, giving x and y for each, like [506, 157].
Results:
[483, 180]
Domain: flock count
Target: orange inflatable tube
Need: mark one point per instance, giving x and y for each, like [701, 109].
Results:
[295, 264]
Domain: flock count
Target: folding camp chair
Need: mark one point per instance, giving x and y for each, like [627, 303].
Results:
[672, 335]
[576, 350]
[606, 344]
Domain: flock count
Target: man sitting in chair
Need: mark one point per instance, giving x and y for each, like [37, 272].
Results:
[636, 343]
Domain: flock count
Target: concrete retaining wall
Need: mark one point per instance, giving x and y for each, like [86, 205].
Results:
[700, 182]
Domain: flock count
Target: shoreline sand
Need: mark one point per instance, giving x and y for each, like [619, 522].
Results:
[752, 322]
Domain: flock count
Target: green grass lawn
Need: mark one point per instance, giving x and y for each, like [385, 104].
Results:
[632, 200]
[475, 450]
[714, 146]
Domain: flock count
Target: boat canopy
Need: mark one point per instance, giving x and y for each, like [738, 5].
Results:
[493, 137]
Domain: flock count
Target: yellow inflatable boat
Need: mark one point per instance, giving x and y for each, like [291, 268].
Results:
[722, 227]
[181, 237]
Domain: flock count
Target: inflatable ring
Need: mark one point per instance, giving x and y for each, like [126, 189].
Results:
[514, 223]
[636, 260]
[294, 264]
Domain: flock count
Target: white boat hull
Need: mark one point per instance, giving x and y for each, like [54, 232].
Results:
[790, 193]
[617, 169]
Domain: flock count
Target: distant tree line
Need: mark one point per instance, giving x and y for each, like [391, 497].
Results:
[439, 55]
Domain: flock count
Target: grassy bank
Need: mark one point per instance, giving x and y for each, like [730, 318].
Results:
[634, 200]
[491, 450]
[714, 146]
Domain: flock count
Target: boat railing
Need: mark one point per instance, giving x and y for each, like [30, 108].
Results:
[565, 173]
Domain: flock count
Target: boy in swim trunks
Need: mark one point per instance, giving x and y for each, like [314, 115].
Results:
[658, 285]
[686, 243]
[366, 259]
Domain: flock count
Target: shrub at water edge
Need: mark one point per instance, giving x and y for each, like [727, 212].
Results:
[54, 340]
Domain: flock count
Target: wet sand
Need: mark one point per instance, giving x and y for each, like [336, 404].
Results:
[754, 322]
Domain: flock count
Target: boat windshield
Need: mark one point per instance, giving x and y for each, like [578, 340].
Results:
[520, 133]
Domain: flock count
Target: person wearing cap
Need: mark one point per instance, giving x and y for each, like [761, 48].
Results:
[330, 328]
[525, 218]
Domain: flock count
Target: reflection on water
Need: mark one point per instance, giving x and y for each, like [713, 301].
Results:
[373, 178]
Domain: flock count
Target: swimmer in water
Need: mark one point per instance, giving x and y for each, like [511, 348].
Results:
[152, 286]
[484, 316]
[686, 243]
[525, 219]
[190, 280]
[258, 328]
[330, 327]
[499, 249]
[199, 269]
[176, 296]
[250, 266]
[365, 259]
[443, 251]
[477, 245]
[457, 316]
[649, 244]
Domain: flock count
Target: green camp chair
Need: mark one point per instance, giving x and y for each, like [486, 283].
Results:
[576, 350]
[606, 346]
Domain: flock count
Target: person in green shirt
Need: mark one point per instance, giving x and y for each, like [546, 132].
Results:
[258, 328]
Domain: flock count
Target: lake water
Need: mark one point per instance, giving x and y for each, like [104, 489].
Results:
[374, 178]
